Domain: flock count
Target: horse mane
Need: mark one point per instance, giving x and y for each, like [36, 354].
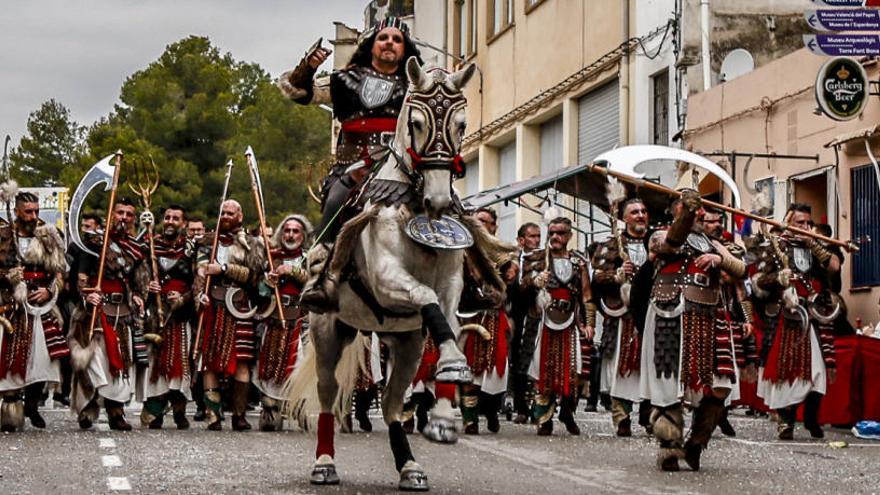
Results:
[488, 252]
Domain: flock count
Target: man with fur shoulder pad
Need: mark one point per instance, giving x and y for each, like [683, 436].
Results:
[228, 343]
[105, 367]
[31, 337]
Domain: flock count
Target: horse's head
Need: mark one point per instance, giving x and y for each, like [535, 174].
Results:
[430, 130]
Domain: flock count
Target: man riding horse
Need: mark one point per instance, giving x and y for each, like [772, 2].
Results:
[367, 96]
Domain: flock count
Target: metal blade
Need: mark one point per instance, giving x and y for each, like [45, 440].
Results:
[101, 172]
[626, 159]
[252, 163]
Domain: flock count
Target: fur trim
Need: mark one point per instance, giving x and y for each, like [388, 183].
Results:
[8, 191]
[12, 414]
[488, 253]
[20, 293]
[346, 241]
[289, 90]
[47, 249]
[81, 357]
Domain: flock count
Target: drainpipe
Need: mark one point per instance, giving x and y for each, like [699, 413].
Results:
[704, 37]
[625, 80]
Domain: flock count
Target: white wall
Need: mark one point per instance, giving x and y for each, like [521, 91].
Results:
[650, 15]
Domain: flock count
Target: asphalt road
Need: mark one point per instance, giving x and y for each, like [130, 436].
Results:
[63, 459]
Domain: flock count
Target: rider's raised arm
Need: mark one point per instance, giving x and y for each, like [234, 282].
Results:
[300, 86]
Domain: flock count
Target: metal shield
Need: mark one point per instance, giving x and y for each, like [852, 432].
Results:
[375, 92]
[637, 252]
[441, 233]
[563, 269]
[699, 242]
[803, 259]
[166, 263]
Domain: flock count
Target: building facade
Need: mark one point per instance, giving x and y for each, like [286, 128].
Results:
[822, 162]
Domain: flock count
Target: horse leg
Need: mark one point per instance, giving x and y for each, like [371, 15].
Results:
[395, 287]
[329, 337]
[406, 348]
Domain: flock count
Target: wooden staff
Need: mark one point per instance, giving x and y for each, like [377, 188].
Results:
[258, 200]
[849, 246]
[147, 183]
[108, 224]
[196, 352]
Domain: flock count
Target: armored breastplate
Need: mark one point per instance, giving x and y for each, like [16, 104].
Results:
[680, 276]
[636, 250]
[363, 92]
[223, 253]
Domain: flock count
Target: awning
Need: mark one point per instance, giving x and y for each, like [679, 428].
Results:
[852, 136]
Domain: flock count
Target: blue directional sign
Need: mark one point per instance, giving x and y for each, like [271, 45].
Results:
[845, 45]
[848, 3]
[843, 20]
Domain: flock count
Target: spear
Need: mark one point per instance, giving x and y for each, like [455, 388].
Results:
[197, 343]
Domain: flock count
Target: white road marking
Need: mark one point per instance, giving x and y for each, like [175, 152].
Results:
[773, 443]
[111, 461]
[118, 483]
[597, 479]
[107, 443]
[102, 427]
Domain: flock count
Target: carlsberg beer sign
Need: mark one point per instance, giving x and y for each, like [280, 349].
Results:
[842, 88]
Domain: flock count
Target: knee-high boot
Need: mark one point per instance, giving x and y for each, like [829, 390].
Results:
[116, 415]
[213, 405]
[668, 426]
[705, 420]
[239, 405]
[811, 414]
[32, 395]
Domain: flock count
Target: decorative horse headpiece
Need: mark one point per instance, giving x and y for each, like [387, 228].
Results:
[431, 127]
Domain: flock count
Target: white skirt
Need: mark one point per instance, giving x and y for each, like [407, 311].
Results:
[40, 367]
[784, 394]
[626, 388]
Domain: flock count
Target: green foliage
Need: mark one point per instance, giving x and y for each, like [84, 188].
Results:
[52, 146]
[191, 110]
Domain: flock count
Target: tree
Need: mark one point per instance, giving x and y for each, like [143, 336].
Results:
[53, 145]
[193, 109]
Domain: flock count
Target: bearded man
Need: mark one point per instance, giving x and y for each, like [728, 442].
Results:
[105, 366]
[228, 346]
[31, 338]
[168, 377]
[281, 339]
[367, 96]
[614, 264]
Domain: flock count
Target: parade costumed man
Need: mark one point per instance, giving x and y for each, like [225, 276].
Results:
[280, 344]
[687, 350]
[105, 367]
[739, 314]
[367, 96]
[481, 304]
[797, 352]
[31, 339]
[557, 366]
[614, 265]
[168, 377]
[525, 315]
[228, 347]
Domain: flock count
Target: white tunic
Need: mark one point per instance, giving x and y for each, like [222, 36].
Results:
[784, 394]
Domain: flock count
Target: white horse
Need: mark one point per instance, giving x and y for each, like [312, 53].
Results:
[392, 285]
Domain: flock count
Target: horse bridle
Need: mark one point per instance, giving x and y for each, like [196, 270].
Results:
[438, 152]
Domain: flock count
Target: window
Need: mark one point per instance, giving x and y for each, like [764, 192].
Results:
[865, 211]
[499, 14]
[660, 121]
[532, 4]
[465, 35]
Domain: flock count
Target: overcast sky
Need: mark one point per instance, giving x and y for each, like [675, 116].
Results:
[80, 51]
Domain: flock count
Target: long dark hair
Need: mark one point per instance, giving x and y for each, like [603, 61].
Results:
[363, 56]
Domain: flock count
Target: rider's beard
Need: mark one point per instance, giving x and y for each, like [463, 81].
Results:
[121, 227]
[27, 228]
[638, 228]
[228, 224]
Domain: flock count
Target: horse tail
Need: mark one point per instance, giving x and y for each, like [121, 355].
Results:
[352, 362]
[301, 390]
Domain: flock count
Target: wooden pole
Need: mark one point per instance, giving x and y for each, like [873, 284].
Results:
[107, 226]
[849, 246]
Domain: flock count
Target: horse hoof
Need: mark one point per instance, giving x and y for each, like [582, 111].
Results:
[324, 472]
[455, 373]
[413, 478]
[441, 430]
